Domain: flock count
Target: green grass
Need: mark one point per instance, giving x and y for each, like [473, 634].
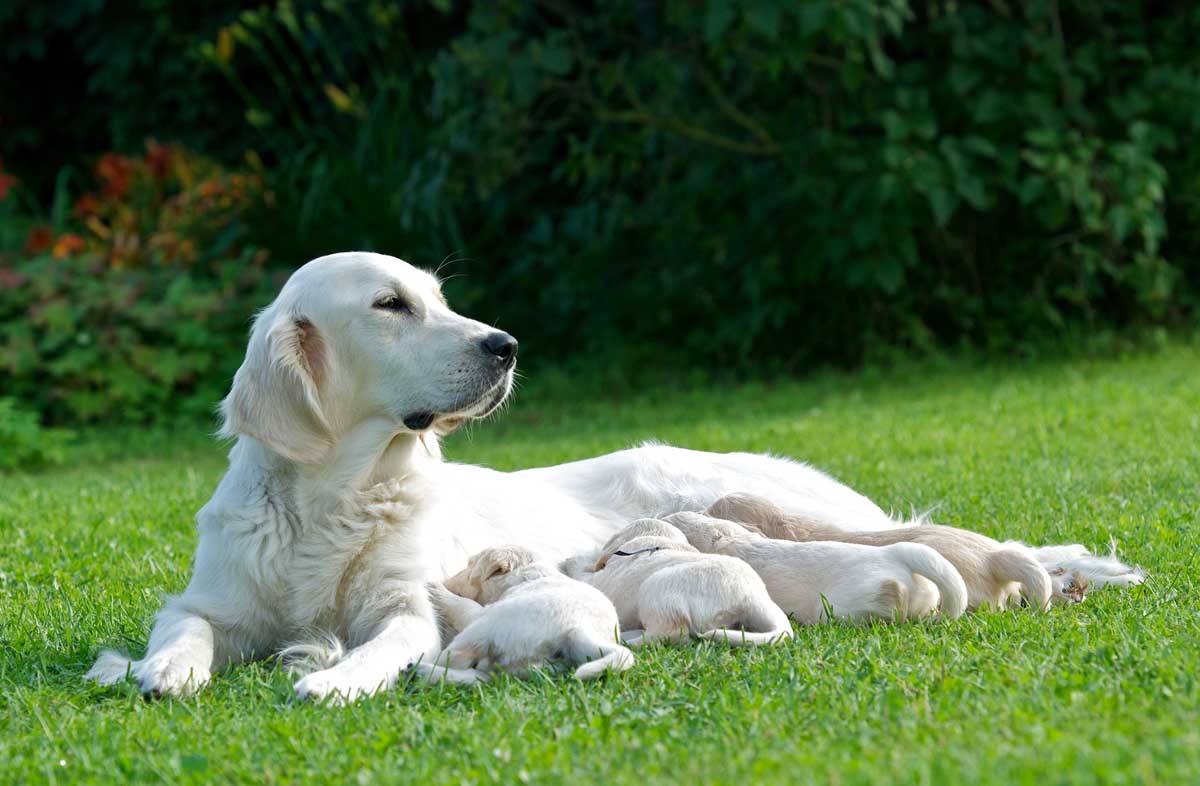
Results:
[1105, 692]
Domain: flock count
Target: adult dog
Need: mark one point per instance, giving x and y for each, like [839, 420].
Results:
[337, 507]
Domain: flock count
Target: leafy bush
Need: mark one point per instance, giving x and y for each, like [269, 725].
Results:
[753, 186]
[767, 183]
[137, 305]
[23, 441]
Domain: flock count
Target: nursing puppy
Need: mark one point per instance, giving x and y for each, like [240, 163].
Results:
[994, 572]
[663, 589]
[521, 612]
[856, 582]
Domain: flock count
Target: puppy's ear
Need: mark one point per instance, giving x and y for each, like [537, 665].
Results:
[489, 565]
[498, 567]
[275, 397]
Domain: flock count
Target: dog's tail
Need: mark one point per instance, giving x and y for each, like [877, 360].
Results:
[767, 625]
[924, 561]
[320, 651]
[1017, 564]
[612, 656]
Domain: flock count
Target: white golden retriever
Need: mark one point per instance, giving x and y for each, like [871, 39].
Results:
[853, 582]
[337, 507]
[665, 590]
[519, 612]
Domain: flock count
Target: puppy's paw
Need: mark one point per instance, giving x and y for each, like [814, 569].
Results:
[163, 676]
[439, 674]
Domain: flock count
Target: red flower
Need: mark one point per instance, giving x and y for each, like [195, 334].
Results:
[10, 279]
[115, 172]
[7, 181]
[87, 205]
[40, 238]
[158, 159]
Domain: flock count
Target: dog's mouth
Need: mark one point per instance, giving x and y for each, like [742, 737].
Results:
[480, 407]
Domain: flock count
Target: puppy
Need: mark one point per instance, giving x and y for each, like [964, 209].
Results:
[994, 572]
[527, 614]
[664, 589]
[811, 580]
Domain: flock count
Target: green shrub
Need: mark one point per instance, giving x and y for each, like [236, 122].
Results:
[770, 184]
[754, 186]
[24, 443]
[138, 307]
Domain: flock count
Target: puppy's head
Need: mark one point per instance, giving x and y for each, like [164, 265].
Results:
[1067, 586]
[645, 544]
[493, 572]
[745, 508]
[639, 528]
[360, 336]
[706, 533]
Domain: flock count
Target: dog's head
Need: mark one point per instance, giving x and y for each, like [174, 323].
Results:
[356, 336]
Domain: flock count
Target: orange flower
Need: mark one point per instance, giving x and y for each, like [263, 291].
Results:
[40, 238]
[67, 245]
[115, 171]
[86, 206]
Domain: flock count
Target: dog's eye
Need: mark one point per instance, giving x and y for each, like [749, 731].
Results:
[392, 303]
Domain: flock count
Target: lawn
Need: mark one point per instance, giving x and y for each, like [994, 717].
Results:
[1075, 451]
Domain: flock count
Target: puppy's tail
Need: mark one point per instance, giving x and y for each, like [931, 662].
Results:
[1099, 570]
[924, 561]
[111, 667]
[613, 657]
[1016, 564]
[773, 627]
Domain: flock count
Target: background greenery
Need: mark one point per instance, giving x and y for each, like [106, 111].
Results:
[1105, 692]
[761, 186]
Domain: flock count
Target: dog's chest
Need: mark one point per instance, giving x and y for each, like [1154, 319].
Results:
[332, 570]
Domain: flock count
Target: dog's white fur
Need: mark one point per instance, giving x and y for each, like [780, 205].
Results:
[664, 589]
[527, 614]
[853, 582]
[334, 512]
[994, 572]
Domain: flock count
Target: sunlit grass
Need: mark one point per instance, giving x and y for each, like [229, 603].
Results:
[1081, 451]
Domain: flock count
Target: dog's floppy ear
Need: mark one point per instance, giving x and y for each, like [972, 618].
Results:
[274, 396]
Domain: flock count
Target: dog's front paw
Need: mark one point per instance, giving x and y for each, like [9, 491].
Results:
[338, 686]
[163, 676]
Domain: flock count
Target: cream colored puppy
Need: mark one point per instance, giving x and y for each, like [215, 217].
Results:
[664, 589]
[527, 614]
[994, 572]
[808, 580]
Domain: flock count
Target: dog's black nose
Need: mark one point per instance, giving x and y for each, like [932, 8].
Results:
[501, 345]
